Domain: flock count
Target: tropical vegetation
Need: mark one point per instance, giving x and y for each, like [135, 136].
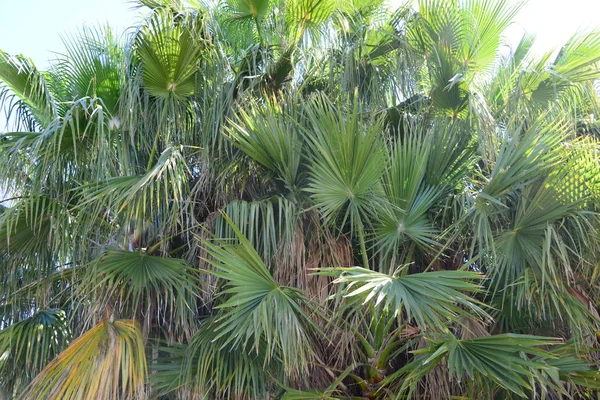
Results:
[303, 199]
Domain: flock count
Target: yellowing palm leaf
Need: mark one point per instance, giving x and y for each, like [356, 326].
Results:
[106, 362]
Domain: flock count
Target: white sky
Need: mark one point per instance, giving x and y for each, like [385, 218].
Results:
[34, 27]
[555, 21]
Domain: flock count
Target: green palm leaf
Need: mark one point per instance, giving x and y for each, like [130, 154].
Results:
[532, 241]
[432, 299]
[577, 62]
[571, 369]
[242, 9]
[170, 53]
[268, 225]
[256, 311]
[28, 345]
[347, 162]
[211, 366]
[410, 199]
[501, 359]
[33, 230]
[526, 156]
[270, 137]
[348, 159]
[91, 67]
[165, 287]
[308, 13]
[27, 83]
[395, 227]
[459, 41]
[156, 195]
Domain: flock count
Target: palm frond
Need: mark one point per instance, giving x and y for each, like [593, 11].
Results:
[270, 137]
[27, 83]
[255, 9]
[432, 299]
[410, 199]
[500, 359]
[28, 345]
[90, 67]
[257, 311]
[302, 14]
[213, 366]
[155, 288]
[170, 53]
[347, 163]
[108, 361]
[269, 225]
[157, 195]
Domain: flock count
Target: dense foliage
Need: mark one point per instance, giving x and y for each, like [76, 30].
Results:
[303, 199]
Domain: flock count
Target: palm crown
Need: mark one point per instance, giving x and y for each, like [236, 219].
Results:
[310, 199]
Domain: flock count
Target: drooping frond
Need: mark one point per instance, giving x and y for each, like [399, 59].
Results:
[164, 288]
[22, 79]
[212, 366]
[512, 362]
[28, 345]
[108, 361]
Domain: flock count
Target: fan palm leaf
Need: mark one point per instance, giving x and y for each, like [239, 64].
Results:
[108, 361]
[270, 137]
[431, 298]
[346, 166]
[256, 311]
[165, 287]
[255, 9]
[499, 358]
[211, 366]
[170, 53]
[26, 82]
[28, 345]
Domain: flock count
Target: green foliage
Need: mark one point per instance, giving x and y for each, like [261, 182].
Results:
[347, 163]
[255, 9]
[165, 287]
[22, 80]
[503, 359]
[170, 53]
[268, 136]
[213, 366]
[194, 200]
[257, 311]
[28, 345]
[432, 298]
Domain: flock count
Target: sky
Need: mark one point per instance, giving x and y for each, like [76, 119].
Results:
[34, 27]
[555, 21]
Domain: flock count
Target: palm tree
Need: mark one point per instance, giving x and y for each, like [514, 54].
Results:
[310, 199]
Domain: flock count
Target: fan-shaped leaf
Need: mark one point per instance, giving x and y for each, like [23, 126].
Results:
[432, 298]
[107, 362]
